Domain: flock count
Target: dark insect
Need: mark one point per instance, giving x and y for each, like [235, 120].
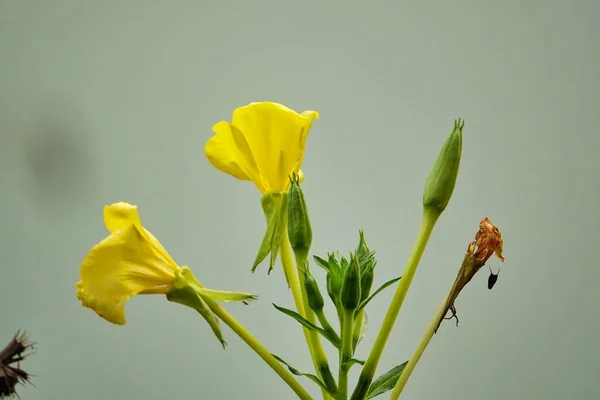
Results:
[11, 373]
[492, 278]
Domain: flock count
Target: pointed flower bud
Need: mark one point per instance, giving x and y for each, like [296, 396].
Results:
[299, 229]
[366, 262]
[350, 293]
[335, 275]
[442, 178]
[313, 294]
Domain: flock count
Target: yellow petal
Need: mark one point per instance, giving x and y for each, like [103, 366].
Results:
[124, 264]
[228, 151]
[120, 215]
[270, 149]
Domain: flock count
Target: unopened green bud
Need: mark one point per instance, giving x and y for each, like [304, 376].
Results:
[363, 249]
[366, 281]
[366, 262]
[334, 286]
[350, 293]
[442, 178]
[299, 229]
[313, 294]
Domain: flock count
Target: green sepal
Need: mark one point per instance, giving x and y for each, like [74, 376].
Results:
[312, 377]
[366, 262]
[309, 325]
[321, 263]
[385, 382]
[188, 291]
[183, 293]
[275, 209]
[375, 293]
[335, 275]
[350, 291]
[226, 296]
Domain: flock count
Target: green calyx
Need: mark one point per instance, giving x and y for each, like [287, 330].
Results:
[350, 291]
[274, 206]
[188, 291]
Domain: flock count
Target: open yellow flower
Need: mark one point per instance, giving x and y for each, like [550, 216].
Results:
[264, 143]
[132, 261]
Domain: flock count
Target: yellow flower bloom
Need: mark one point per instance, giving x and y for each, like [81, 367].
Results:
[264, 143]
[129, 261]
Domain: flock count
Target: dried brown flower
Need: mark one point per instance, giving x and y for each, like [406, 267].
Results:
[11, 374]
[488, 240]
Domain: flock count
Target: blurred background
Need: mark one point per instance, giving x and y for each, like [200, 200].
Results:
[114, 100]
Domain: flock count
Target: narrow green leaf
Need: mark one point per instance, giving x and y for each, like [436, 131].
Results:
[296, 372]
[385, 382]
[348, 364]
[321, 263]
[307, 324]
[385, 285]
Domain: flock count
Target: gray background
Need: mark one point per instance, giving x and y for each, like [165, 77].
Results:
[113, 100]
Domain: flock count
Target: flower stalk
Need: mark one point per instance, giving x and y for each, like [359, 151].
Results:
[259, 349]
[370, 367]
[438, 190]
[313, 341]
[488, 240]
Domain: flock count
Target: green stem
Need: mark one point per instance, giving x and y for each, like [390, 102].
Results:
[295, 281]
[326, 325]
[346, 352]
[366, 376]
[255, 345]
[410, 366]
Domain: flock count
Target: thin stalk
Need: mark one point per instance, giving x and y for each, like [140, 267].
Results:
[296, 283]
[326, 325]
[345, 353]
[414, 359]
[366, 376]
[255, 345]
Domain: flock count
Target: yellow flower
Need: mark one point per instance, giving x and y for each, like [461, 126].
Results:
[264, 143]
[132, 261]
[129, 261]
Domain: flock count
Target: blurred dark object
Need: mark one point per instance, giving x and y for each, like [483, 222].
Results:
[57, 154]
[56, 157]
[10, 374]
